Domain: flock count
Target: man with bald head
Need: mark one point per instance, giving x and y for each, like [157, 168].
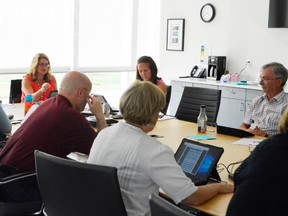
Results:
[56, 127]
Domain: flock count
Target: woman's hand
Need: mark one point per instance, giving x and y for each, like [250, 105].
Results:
[45, 86]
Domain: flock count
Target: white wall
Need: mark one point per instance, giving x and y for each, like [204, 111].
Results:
[239, 31]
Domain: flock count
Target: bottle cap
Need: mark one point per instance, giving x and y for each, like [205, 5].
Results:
[28, 98]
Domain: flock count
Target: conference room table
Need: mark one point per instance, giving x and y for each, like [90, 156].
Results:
[171, 131]
[174, 130]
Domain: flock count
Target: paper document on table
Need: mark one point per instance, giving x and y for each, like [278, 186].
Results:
[77, 156]
[247, 142]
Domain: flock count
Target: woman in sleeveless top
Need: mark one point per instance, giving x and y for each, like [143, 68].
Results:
[39, 81]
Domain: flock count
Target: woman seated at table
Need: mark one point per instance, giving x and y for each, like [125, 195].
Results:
[39, 81]
[261, 180]
[147, 70]
[144, 164]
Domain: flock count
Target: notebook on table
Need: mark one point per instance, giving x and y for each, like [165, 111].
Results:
[233, 131]
[198, 160]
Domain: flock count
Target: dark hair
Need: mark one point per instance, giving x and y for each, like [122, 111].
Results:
[152, 66]
[278, 70]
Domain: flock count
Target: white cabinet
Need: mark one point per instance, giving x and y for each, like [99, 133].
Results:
[201, 85]
[232, 107]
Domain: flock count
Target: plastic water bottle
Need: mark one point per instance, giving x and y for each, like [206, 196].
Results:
[28, 103]
[202, 120]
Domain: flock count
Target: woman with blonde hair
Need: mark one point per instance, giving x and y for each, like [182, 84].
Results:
[144, 164]
[39, 81]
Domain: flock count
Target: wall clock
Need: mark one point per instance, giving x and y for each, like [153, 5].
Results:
[207, 12]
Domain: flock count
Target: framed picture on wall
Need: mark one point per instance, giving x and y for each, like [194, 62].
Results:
[175, 34]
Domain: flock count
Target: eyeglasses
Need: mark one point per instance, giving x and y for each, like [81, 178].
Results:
[266, 79]
[43, 65]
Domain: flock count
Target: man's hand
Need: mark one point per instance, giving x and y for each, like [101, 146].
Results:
[96, 108]
[257, 131]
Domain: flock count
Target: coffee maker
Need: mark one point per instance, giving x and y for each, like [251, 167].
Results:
[216, 67]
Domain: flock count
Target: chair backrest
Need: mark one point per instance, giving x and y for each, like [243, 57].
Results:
[168, 96]
[15, 91]
[19, 193]
[193, 98]
[73, 188]
[160, 206]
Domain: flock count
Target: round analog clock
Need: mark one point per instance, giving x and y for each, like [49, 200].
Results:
[207, 12]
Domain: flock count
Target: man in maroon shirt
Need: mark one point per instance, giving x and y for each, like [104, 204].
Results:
[56, 127]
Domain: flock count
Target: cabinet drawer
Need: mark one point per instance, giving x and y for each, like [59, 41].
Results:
[205, 86]
[250, 94]
[179, 86]
[235, 93]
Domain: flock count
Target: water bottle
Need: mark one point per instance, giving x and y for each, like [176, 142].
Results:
[202, 120]
[28, 103]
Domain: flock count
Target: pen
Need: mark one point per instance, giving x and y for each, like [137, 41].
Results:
[156, 136]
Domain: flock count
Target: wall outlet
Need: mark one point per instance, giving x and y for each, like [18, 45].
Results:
[248, 63]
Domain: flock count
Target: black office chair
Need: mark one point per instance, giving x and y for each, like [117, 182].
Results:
[73, 188]
[15, 186]
[193, 98]
[160, 206]
[168, 96]
[15, 91]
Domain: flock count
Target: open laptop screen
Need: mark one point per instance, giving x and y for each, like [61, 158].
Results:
[197, 160]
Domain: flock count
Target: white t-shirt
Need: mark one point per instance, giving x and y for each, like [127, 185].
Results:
[144, 164]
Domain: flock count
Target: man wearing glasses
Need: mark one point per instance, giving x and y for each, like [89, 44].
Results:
[263, 114]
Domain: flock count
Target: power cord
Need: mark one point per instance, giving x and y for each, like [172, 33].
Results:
[248, 62]
[229, 168]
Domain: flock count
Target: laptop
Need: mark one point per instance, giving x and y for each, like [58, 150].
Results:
[233, 131]
[103, 100]
[198, 161]
[53, 93]
[113, 111]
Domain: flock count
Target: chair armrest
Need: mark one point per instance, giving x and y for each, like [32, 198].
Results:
[16, 177]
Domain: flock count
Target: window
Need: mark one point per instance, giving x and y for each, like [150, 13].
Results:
[101, 37]
[105, 33]
[32, 26]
